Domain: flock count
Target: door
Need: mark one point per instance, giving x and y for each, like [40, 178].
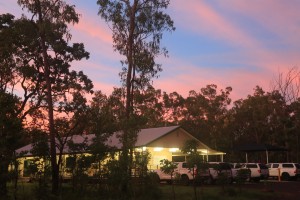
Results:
[273, 170]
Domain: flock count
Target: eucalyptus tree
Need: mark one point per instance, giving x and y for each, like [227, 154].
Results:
[102, 119]
[173, 107]
[104, 113]
[288, 84]
[14, 109]
[217, 109]
[206, 110]
[137, 29]
[18, 57]
[49, 24]
[294, 110]
[260, 118]
[149, 105]
[11, 129]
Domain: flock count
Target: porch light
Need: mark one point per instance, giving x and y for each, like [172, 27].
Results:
[158, 148]
[144, 148]
[173, 149]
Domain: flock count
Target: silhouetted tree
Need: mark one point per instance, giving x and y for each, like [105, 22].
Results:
[49, 22]
[137, 28]
[11, 129]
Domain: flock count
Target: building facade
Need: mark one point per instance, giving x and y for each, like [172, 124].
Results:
[161, 143]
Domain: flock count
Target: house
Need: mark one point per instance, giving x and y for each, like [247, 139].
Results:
[161, 143]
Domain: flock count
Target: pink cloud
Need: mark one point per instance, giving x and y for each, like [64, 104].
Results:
[281, 20]
[203, 19]
[190, 77]
[11, 7]
[279, 17]
[239, 81]
[104, 87]
[93, 27]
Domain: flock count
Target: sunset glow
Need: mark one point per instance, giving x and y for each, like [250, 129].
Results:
[237, 43]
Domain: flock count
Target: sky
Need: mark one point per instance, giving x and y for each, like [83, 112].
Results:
[236, 43]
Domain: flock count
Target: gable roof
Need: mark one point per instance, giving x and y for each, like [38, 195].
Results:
[147, 136]
[144, 138]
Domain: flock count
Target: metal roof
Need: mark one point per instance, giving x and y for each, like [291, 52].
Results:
[259, 147]
[145, 136]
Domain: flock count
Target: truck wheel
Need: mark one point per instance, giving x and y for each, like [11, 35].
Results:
[184, 180]
[285, 176]
[256, 179]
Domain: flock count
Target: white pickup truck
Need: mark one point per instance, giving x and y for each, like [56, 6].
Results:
[208, 173]
[259, 171]
[186, 175]
[287, 171]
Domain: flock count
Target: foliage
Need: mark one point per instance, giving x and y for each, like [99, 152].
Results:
[243, 175]
[261, 118]
[206, 111]
[137, 28]
[77, 164]
[104, 113]
[141, 160]
[168, 167]
[114, 177]
[287, 84]
[11, 129]
[149, 107]
[50, 76]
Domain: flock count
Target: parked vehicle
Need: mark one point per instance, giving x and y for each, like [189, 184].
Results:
[259, 171]
[235, 167]
[209, 173]
[239, 173]
[184, 173]
[220, 168]
[286, 171]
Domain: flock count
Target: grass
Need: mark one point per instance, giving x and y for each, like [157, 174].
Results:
[214, 193]
[28, 191]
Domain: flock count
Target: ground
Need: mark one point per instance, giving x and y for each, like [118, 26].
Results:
[285, 190]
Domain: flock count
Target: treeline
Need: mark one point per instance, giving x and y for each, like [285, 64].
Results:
[211, 116]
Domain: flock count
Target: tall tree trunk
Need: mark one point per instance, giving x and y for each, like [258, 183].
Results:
[16, 175]
[54, 166]
[127, 146]
[3, 176]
